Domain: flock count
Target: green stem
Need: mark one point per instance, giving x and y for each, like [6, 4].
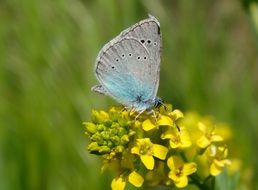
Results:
[202, 184]
[183, 157]
[199, 183]
[207, 178]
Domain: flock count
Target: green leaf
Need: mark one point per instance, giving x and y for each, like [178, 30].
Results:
[226, 181]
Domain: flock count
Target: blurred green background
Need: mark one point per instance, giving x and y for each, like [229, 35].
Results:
[47, 54]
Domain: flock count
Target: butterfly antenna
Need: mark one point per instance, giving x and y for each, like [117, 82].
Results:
[166, 108]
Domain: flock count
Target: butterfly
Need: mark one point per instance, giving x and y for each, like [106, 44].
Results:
[128, 66]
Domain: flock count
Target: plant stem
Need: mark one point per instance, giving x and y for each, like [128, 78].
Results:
[199, 183]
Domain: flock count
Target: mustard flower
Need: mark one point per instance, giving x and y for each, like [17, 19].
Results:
[178, 137]
[136, 179]
[165, 120]
[147, 125]
[208, 136]
[218, 159]
[180, 170]
[146, 150]
[176, 114]
[124, 142]
[118, 183]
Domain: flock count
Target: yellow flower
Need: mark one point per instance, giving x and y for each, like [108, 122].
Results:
[100, 116]
[147, 125]
[208, 136]
[146, 150]
[118, 183]
[135, 179]
[218, 156]
[165, 120]
[170, 119]
[179, 171]
[178, 138]
[119, 138]
[176, 114]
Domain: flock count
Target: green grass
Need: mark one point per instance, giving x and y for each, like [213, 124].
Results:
[47, 54]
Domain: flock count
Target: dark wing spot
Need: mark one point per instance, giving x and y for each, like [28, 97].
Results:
[123, 55]
[149, 41]
[155, 43]
[139, 98]
[142, 41]
[112, 67]
[130, 54]
[138, 57]
[145, 58]
[117, 59]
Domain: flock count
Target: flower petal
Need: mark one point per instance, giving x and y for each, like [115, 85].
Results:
[147, 125]
[189, 168]
[174, 144]
[176, 114]
[222, 163]
[181, 182]
[148, 161]
[215, 169]
[185, 138]
[203, 142]
[160, 151]
[171, 164]
[135, 179]
[118, 184]
[186, 143]
[218, 163]
[172, 175]
[135, 150]
[168, 134]
[165, 120]
[216, 138]
[202, 127]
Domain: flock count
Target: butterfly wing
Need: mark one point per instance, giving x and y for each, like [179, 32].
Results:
[123, 70]
[148, 33]
[128, 66]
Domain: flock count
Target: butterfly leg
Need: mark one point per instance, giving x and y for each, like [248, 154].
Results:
[154, 115]
[132, 111]
[138, 115]
[128, 108]
[123, 109]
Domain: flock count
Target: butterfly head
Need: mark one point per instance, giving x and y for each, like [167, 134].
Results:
[158, 102]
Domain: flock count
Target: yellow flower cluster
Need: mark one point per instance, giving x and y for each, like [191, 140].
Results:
[165, 148]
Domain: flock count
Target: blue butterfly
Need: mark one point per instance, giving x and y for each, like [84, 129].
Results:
[128, 66]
